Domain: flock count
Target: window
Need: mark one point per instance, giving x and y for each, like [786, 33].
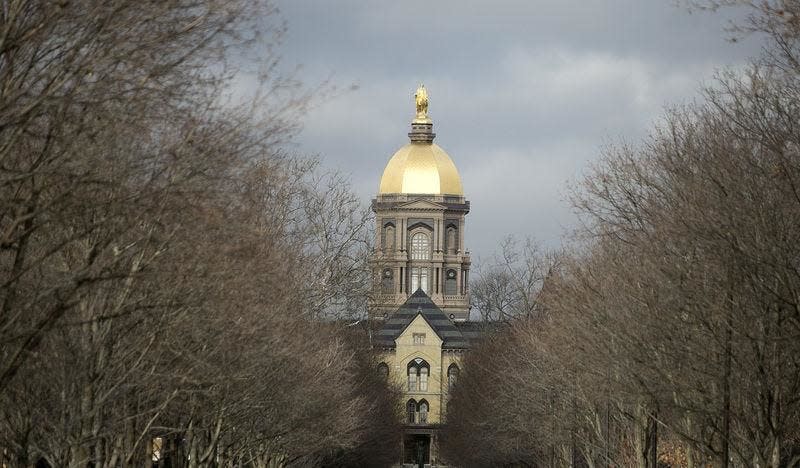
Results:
[420, 247]
[383, 370]
[423, 412]
[156, 445]
[417, 413]
[419, 279]
[419, 338]
[388, 238]
[418, 371]
[387, 280]
[451, 240]
[412, 379]
[411, 410]
[452, 376]
[450, 283]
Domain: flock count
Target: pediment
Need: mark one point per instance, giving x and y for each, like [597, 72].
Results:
[419, 323]
[420, 307]
[422, 205]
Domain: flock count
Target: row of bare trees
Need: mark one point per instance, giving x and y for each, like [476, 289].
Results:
[669, 334]
[508, 284]
[164, 262]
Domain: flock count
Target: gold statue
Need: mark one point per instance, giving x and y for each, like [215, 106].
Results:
[421, 98]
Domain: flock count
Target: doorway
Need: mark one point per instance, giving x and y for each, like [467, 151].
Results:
[417, 450]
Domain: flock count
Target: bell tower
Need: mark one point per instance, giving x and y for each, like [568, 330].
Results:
[420, 212]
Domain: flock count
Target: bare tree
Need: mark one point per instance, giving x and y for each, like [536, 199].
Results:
[509, 284]
[163, 258]
[675, 317]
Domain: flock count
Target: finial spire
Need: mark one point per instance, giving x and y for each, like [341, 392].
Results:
[421, 99]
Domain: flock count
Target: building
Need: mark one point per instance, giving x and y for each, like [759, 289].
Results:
[420, 211]
[421, 279]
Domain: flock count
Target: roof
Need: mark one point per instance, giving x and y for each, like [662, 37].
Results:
[421, 304]
[421, 168]
[474, 332]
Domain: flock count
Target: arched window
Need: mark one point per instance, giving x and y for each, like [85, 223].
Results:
[413, 373]
[418, 372]
[452, 376]
[411, 410]
[420, 247]
[388, 237]
[383, 370]
[451, 240]
[423, 412]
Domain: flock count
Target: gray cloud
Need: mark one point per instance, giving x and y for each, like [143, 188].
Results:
[523, 94]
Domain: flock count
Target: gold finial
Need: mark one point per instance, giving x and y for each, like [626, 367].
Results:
[421, 98]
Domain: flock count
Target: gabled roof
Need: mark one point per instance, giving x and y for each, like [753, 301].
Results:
[420, 304]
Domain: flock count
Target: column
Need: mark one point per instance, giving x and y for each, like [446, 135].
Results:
[435, 236]
[402, 448]
[400, 229]
[461, 235]
[379, 240]
[403, 234]
[440, 236]
[433, 454]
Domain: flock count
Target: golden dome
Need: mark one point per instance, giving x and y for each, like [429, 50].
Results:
[422, 168]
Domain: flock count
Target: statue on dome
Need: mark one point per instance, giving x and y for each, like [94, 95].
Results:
[422, 103]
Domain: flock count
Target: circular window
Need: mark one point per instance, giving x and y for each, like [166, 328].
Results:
[387, 273]
[451, 274]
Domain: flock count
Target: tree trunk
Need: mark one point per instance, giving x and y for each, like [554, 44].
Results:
[726, 397]
[640, 424]
[654, 440]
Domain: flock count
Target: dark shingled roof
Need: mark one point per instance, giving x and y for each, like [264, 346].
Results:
[420, 303]
[474, 332]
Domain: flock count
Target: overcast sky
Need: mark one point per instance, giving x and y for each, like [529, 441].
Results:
[523, 94]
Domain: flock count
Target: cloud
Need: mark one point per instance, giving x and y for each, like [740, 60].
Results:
[523, 94]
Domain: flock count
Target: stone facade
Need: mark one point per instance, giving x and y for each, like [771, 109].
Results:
[422, 350]
[439, 265]
[421, 277]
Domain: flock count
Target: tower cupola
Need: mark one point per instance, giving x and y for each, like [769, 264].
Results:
[420, 211]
